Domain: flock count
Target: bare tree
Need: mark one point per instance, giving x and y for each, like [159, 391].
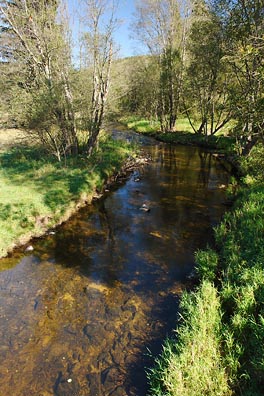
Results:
[37, 40]
[100, 23]
[162, 25]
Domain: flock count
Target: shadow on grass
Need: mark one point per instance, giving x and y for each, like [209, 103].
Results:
[223, 143]
[30, 166]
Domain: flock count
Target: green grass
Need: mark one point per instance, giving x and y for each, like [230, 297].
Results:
[219, 349]
[184, 134]
[191, 365]
[140, 125]
[240, 238]
[37, 192]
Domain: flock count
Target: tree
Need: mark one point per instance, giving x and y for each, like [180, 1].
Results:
[36, 40]
[244, 48]
[140, 96]
[206, 85]
[162, 25]
[100, 23]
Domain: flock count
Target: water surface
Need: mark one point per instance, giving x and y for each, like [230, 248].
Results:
[78, 315]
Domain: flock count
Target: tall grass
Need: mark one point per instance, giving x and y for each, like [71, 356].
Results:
[37, 192]
[191, 365]
[240, 238]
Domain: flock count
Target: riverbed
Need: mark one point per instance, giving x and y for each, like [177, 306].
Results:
[87, 310]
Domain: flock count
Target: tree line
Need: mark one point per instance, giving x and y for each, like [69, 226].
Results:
[204, 62]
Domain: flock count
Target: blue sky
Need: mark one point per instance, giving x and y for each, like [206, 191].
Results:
[128, 47]
[125, 13]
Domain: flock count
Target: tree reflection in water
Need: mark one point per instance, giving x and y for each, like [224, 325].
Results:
[78, 315]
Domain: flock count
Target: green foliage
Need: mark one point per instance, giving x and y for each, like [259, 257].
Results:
[191, 364]
[253, 164]
[206, 98]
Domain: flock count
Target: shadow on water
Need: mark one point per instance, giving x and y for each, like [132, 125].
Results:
[79, 315]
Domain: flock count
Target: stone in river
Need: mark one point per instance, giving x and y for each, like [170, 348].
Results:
[29, 248]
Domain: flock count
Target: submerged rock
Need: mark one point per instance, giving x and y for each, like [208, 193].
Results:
[29, 248]
[144, 208]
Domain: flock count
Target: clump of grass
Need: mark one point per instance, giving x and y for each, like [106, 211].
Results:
[37, 192]
[206, 264]
[192, 364]
[253, 164]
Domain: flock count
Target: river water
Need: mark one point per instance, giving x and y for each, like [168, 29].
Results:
[81, 314]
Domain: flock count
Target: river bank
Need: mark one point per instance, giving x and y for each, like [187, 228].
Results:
[38, 193]
[219, 143]
[217, 348]
[81, 311]
[218, 344]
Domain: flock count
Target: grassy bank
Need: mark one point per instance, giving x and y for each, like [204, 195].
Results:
[219, 344]
[183, 135]
[37, 192]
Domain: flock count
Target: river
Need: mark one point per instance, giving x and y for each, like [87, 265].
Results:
[82, 314]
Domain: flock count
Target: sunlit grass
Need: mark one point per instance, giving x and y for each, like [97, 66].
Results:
[144, 125]
[183, 134]
[191, 365]
[38, 192]
[10, 137]
[219, 348]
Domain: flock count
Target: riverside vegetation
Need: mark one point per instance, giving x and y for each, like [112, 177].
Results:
[218, 345]
[204, 64]
[222, 141]
[38, 192]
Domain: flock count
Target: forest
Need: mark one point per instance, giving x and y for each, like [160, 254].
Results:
[200, 81]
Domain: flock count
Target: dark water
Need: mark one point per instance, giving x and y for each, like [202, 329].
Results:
[78, 315]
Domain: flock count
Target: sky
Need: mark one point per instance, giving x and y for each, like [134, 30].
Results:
[128, 46]
[122, 36]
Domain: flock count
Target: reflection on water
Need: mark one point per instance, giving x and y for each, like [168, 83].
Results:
[78, 316]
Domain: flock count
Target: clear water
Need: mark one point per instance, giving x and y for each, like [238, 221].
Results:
[80, 313]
